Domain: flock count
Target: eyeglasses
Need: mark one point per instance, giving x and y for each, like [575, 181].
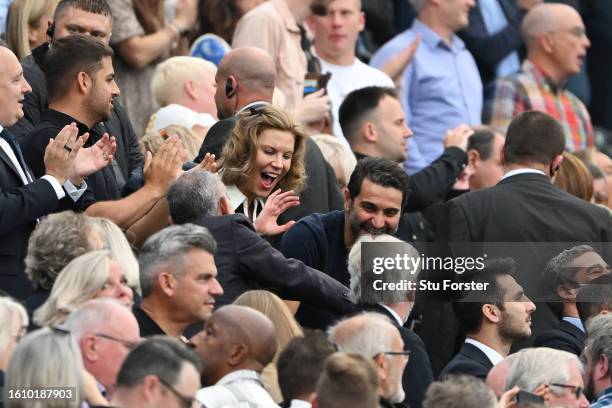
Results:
[405, 353]
[186, 402]
[577, 32]
[577, 389]
[128, 344]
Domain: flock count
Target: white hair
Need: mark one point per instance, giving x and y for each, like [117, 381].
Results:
[337, 154]
[368, 334]
[170, 76]
[92, 315]
[13, 316]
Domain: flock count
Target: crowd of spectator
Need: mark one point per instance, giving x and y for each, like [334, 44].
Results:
[194, 195]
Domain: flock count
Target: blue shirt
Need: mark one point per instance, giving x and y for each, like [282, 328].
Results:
[4, 6]
[441, 90]
[604, 400]
[495, 20]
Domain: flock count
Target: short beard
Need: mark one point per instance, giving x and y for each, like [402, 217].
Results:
[506, 332]
[358, 228]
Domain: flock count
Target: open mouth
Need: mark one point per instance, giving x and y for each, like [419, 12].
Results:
[268, 179]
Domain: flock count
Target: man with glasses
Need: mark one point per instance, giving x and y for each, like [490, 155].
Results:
[375, 337]
[598, 362]
[556, 47]
[105, 331]
[552, 374]
[492, 319]
[159, 372]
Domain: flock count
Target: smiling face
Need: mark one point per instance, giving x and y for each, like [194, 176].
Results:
[375, 210]
[13, 87]
[336, 32]
[272, 162]
[104, 89]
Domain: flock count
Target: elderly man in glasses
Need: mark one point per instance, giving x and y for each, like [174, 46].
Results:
[375, 337]
[105, 331]
[554, 375]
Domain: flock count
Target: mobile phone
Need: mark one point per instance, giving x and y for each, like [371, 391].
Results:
[314, 81]
[524, 396]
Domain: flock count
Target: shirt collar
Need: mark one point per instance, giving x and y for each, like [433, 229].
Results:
[296, 403]
[239, 375]
[285, 14]
[541, 78]
[252, 105]
[393, 313]
[1, 128]
[575, 321]
[61, 119]
[236, 198]
[522, 171]
[433, 40]
[491, 354]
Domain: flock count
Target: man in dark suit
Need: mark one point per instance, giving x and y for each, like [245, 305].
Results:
[245, 80]
[244, 259]
[493, 36]
[491, 319]
[395, 304]
[23, 199]
[562, 277]
[524, 207]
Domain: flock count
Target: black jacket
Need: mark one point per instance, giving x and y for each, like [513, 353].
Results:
[566, 337]
[470, 361]
[246, 261]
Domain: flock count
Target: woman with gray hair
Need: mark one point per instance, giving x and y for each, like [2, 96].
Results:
[89, 276]
[14, 324]
[45, 358]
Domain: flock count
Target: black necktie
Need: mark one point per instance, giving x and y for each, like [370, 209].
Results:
[12, 141]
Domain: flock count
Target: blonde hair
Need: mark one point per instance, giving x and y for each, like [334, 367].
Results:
[286, 327]
[153, 140]
[24, 14]
[77, 283]
[337, 154]
[241, 148]
[574, 177]
[120, 249]
[170, 76]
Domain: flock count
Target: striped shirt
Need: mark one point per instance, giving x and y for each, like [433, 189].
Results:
[604, 400]
[532, 90]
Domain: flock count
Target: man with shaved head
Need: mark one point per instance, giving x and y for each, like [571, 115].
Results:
[245, 80]
[556, 46]
[236, 344]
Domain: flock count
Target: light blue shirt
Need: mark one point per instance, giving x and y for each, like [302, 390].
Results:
[441, 90]
[495, 20]
[575, 321]
[4, 6]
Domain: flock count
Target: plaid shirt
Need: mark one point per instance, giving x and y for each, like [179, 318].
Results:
[532, 90]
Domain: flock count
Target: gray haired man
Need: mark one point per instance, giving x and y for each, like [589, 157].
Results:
[598, 358]
[396, 305]
[178, 278]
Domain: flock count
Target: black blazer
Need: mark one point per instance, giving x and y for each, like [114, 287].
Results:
[470, 361]
[246, 261]
[417, 375]
[566, 337]
[524, 208]
[488, 50]
[20, 207]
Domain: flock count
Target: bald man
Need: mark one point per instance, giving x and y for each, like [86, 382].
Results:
[245, 80]
[236, 344]
[556, 46]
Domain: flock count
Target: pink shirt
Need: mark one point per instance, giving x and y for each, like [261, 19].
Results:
[271, 26]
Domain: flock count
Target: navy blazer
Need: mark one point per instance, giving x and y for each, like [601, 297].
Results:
[488, 50]
[470, 361]
[566, 337]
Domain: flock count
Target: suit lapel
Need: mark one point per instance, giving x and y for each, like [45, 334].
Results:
[474, 353]
[9, 163]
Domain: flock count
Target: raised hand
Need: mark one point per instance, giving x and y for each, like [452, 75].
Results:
[276, 204]
[313, 107]
[208, 164]
[163, 168]
[61, 153]
[458, 137]
[95, 158]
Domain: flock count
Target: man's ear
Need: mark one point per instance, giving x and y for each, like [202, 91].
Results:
[602, 369]
[89, 349]
[347, 200]
[225, 207]
[190, 89]
[167, 283]
[170, 220]
[368, 130]
[555, 164]
[473, 156]
[150, 386]
[84, 82]
[491, 312]
[547, 43]
[566, 292]
[381, 364]
[237, 355]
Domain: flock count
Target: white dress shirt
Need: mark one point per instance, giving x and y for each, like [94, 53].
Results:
[493, 356]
